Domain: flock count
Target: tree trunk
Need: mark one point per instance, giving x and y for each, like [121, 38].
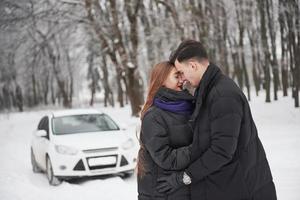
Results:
[240, 10]
[19, 98]
[46, 87]
[33, 81]
[147, 31]
[53, 93]
[224, 51]
[292, 21]
[104, 44]
[255, 74]
[272, 33]
[284, 64]
[92, 85]
[108, 95]
[238, 73]
[130, 64]
[264, 40]
[60, 83]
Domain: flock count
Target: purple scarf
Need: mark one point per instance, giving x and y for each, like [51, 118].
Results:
[183, 107]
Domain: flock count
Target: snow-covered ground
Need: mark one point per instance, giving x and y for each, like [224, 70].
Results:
[278, 124]
[279, 129]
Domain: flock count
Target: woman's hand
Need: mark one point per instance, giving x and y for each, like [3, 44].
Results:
[169, 184]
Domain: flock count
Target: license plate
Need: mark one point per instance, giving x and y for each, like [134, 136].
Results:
[109, 160]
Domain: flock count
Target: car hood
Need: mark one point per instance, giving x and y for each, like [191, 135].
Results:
[94, 140]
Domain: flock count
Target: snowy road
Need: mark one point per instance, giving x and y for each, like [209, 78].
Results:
[278, 125]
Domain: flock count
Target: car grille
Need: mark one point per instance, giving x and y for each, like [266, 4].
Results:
[102, 167]
[100, 150]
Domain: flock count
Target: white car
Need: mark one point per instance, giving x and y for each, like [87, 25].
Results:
[80, 143]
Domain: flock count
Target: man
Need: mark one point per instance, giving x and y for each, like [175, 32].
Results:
[228, 159]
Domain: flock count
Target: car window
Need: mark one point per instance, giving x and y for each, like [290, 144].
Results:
[44, 125]
[83, 123]
[41, 123]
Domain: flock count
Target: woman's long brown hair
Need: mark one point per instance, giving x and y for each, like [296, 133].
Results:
[158, 76]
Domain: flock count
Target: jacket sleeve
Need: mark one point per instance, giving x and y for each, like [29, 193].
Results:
[225, 121]
[156, 140]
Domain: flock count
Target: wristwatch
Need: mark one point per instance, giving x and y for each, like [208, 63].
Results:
[186, 179]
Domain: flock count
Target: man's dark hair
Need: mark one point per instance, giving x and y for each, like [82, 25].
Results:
[188, 49]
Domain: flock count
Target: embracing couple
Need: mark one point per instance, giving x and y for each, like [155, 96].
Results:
[202, 146]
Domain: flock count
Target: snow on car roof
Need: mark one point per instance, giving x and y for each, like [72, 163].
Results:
[61, 113]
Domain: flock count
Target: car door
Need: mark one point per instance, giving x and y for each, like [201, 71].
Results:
[42, 143]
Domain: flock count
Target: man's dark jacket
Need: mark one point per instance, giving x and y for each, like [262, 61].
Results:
[228, 159]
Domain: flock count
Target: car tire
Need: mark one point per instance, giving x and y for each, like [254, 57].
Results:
[35, 167]
[53, 180]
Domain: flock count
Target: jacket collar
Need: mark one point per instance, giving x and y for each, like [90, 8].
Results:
[211, 74]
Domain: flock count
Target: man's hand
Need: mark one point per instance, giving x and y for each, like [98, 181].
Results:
[169, 184]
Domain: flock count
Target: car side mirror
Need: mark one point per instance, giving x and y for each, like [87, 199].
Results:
[41, 133]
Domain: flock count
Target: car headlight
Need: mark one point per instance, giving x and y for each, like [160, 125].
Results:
[65, 150]
[128, 144]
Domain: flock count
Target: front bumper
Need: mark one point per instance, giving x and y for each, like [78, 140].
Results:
[78, 165]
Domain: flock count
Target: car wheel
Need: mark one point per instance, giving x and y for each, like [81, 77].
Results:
[35, 167]
[53, 180]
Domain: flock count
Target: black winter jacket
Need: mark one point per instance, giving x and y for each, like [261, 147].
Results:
[167, 138]
[228, 159]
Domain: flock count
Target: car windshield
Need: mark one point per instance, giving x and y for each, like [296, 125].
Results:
[82, 123]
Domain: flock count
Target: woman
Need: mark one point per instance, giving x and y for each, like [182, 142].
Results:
[165, 134]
